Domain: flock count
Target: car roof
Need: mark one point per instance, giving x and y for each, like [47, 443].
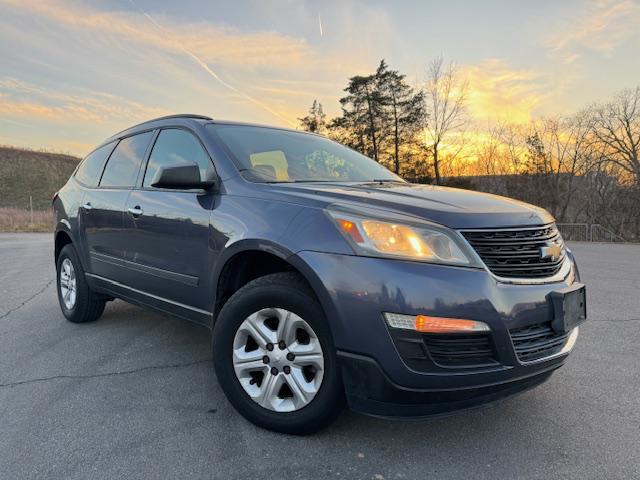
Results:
[186, 119]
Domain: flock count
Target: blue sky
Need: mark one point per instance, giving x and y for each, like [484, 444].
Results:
[72, 73]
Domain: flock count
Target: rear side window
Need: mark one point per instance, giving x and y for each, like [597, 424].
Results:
[91, 167]
[173, 147]
[124, 163]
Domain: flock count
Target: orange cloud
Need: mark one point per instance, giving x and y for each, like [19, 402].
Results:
[213, 43]
[216, 49]
[497, 92]
[54, 106]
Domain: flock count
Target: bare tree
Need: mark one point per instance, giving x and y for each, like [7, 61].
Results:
[617, 129]
[445, 96]
[558, 152]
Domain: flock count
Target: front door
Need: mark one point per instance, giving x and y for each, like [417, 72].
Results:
[167, 231]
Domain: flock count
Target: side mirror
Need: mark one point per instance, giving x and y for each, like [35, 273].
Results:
[183, 176]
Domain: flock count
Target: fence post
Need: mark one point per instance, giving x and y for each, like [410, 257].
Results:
[31, 208]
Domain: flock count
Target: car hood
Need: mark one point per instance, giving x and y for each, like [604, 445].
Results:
[452, 207]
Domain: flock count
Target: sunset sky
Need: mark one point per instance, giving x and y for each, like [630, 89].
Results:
[73, 73]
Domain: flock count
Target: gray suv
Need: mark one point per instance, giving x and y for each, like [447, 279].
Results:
[325, 279]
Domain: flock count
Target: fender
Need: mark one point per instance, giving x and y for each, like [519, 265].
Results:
[320, 290]
[63, 225]
[240, 246]
[284, 254]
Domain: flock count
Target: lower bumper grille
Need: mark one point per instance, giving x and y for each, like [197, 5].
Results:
[460, 350]
[538, 341]
[420, 351]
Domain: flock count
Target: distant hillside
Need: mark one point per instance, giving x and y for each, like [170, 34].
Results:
[28, 172]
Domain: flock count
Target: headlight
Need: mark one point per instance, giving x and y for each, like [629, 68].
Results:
[385, 237]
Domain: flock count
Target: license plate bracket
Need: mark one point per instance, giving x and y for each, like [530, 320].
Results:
[569, 307]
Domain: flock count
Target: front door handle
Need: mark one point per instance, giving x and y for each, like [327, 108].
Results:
[87, 206]
[135, 211]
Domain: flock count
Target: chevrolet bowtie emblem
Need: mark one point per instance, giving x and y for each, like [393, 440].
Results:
[552, 251]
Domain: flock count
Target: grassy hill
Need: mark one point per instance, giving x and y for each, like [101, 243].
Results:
[28, 172]
[25, 173]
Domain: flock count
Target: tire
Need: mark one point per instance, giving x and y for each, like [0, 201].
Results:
[87, 305]
[312, 407]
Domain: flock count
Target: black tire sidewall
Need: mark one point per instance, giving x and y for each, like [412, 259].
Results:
[327, 403]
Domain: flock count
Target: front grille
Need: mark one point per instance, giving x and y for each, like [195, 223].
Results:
[516, 253]
[460, 350]
[537, 341]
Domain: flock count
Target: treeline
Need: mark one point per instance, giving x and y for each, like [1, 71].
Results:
[583, 167]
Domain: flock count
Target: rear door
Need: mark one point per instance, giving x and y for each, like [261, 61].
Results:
[167, 231]
[102, 210]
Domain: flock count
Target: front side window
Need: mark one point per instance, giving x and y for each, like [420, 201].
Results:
[91, 167]
[124, 163]
[174, 147]
[271, 155]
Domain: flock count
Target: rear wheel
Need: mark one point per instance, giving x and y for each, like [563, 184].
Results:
[274, 356]
[78, 302]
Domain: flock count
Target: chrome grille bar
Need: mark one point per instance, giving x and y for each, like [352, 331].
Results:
[517, 253]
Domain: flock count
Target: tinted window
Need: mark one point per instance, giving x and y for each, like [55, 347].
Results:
[124, 162]
[174, 147]
[272, 155]
[90, 169]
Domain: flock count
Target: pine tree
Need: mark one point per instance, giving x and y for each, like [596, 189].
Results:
[316, 120]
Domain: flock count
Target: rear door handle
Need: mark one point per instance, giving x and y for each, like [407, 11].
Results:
[135, 211]
[87, 206]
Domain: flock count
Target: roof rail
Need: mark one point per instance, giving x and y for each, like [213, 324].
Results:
[180, 115]
[166, 117]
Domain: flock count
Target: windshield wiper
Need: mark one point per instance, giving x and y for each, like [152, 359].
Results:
[298, 181]
[381, 181]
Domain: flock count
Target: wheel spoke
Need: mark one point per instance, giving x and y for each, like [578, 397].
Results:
[247, 361]
[286, 325]
[259, 331]
[310, 352]
[241, 356]
[301, 395]
[315, 359]
[244, 372]
[269, 390]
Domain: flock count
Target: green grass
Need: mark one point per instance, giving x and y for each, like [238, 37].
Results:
[25, 173]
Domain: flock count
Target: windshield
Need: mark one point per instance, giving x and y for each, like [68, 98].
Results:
[271, 155]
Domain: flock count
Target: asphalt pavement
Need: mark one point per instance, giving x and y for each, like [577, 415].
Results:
[134, 395]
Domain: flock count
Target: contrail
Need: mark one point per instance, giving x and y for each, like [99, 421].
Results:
[320, 25]
[206, 68]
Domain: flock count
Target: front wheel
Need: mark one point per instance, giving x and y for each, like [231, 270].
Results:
[274, 356]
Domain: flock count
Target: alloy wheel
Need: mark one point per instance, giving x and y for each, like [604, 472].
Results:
[278, 359]
[68, 286]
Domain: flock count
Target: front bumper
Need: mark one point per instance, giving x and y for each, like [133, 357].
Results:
[370, 391]
[356, 290]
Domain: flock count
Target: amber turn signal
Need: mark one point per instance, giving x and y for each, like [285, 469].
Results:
[428, 324]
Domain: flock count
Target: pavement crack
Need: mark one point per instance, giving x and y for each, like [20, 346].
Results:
[11, 310]
[616, 321]
[106, 374]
